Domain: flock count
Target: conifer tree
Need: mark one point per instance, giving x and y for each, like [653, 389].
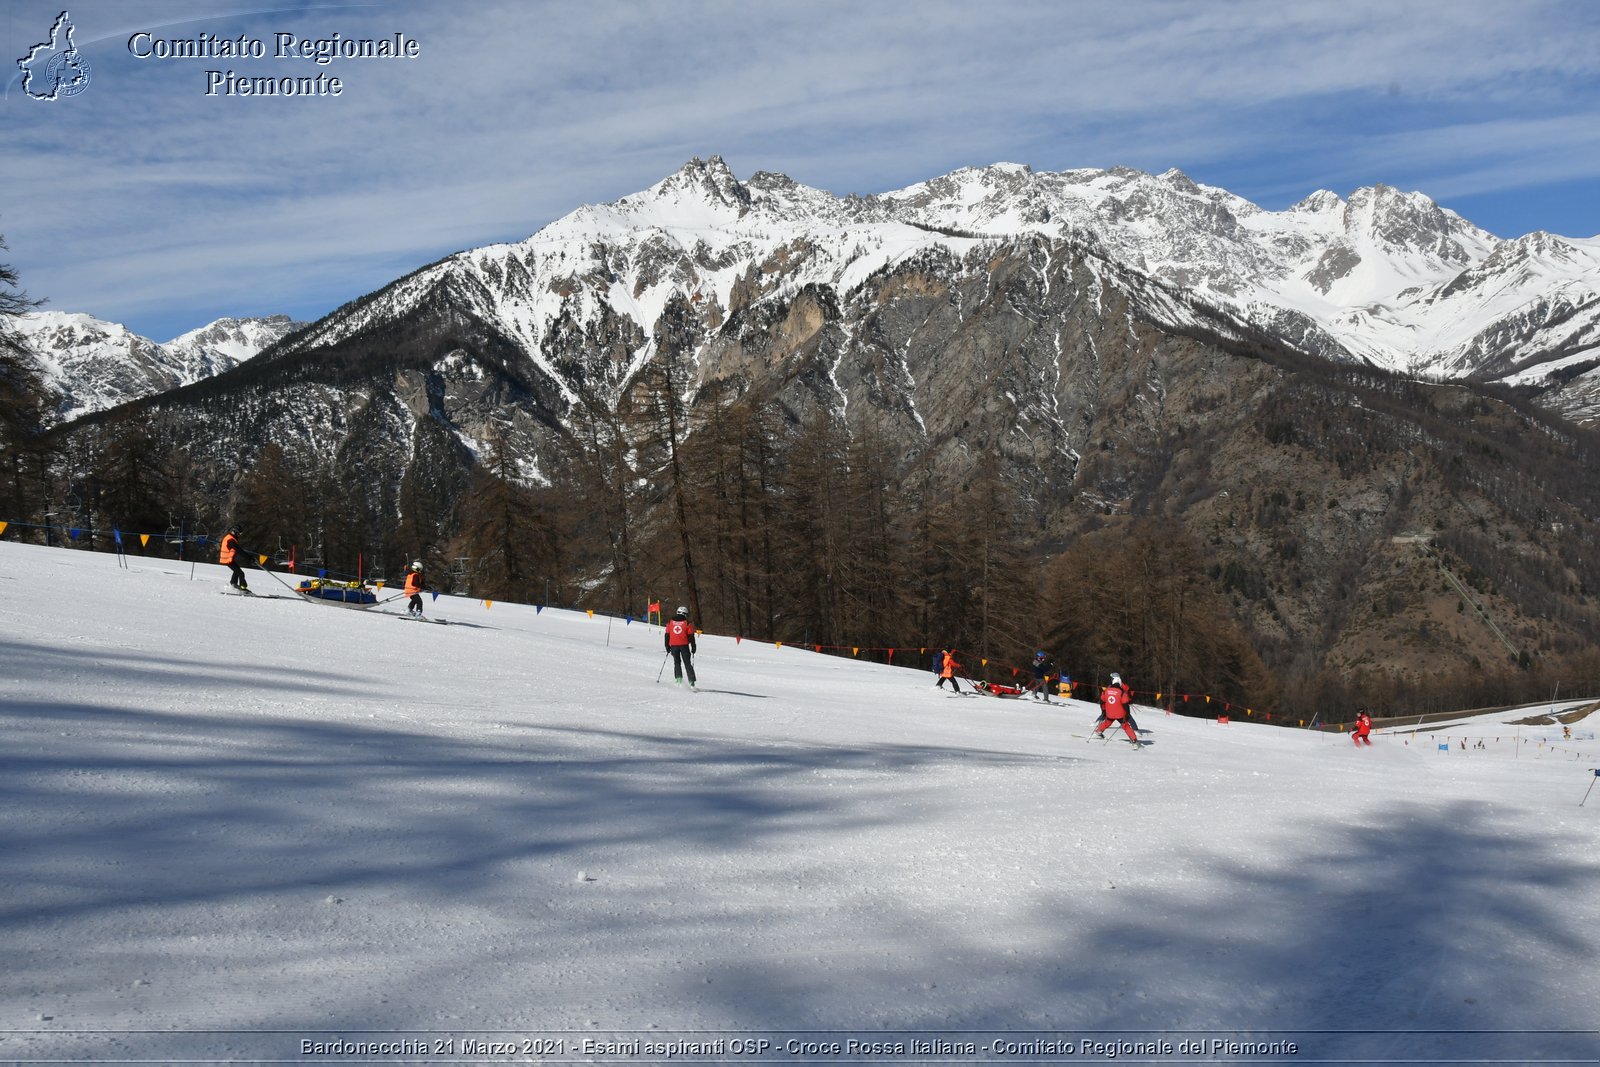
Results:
[510, 541]
[24, 407]
[131, 469]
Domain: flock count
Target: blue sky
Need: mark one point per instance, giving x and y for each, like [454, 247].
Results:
[142, 200]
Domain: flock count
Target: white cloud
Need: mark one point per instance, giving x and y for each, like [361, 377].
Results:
[125, 199]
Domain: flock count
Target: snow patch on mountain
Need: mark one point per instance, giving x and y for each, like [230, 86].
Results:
[90, 364]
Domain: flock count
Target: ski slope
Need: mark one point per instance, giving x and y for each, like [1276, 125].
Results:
[252, 829]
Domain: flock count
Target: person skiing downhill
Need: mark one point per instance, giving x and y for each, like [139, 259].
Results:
[228, 556]
[1363, 728]
[414, 587]
[1043, 671]
[681, 646]
[1115, 707]
[947, 667]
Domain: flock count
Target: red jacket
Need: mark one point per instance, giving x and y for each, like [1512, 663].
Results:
[1363, 724]
[1114, 701]
[680, 634]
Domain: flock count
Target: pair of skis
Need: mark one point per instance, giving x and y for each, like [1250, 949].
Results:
[1104, 740]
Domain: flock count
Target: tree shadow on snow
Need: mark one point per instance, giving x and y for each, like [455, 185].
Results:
[1432, 921]
[1427, 938]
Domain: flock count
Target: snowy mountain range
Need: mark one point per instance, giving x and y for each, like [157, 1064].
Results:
[90, 364]
[1386, 277]
[1111, 343]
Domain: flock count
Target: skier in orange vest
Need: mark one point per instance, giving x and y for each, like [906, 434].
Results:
[228, 556]
[947, 670]
[414, 588]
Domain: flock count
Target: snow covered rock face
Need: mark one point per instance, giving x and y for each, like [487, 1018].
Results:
[91, 365]
[991, 309]
[1115, 342]
[1387, 277]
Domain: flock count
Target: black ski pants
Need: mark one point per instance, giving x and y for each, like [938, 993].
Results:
[682, 662]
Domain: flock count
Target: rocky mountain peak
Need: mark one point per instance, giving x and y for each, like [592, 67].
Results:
[1412, 222]
[711, 179]
[1321, 202]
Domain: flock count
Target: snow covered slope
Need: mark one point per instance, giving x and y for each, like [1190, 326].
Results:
[91, 364]
[236, 825]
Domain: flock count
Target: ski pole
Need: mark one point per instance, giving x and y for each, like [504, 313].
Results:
[1586, 792]
[665, 656]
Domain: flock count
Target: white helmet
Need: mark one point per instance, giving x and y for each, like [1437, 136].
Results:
[681, 613]
[1116, 679]
[416, 565]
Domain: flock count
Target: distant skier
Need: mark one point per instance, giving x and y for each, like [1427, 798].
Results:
[947, 667]
[1363, 728]
[414, 587]
[228, 556]
[1116, 707]
[1043, 670]
[681, 646]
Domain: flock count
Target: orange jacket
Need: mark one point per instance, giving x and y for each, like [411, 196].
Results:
[413, 583]
[947, 666]
[230, 545]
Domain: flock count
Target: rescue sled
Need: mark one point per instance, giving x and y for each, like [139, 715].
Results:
[997, 690]
[345, 594]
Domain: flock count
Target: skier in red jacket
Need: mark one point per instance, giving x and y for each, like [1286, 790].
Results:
[1116, 707]
[1363, 728]
[680, 644]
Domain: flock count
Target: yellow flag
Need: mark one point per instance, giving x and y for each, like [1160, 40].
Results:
[144, 539]
[854, 651]
[3, 526]
[380, 587]
[777, 644]
[261, 560]
[591, 613]
[488, 604]
[984, 661]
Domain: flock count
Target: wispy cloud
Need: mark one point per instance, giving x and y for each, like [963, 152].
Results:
[143, 199]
